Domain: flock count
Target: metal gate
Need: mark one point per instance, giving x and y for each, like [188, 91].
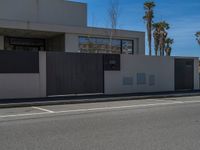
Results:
[74, 73]
[184, 74]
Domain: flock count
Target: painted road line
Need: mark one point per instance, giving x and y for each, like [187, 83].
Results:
[24, 115]
[192, 101]
[42, 109]
[118, 107]
[92, 109]
[164, 100]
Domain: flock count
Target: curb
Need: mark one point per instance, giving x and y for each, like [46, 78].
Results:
[93, 100]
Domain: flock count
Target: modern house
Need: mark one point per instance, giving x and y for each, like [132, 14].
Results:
[47, 49]
[58, 25]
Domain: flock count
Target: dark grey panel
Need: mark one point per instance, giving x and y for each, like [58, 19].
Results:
[184, 74]
[111, 62]
[19, 62]
[74, 73]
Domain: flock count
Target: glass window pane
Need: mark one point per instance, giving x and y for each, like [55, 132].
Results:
[127, 47]
[104, 45]
[116, 46]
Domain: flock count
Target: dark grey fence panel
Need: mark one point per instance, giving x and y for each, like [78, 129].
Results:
[19, 62]
[184, 74]
[74, 73]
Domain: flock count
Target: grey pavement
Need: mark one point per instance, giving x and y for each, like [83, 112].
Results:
[152, 124]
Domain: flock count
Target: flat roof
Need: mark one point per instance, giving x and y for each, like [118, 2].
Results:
[8, 24]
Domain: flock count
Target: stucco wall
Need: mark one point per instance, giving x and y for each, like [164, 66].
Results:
[162, 68]
[19, 85]
[24, 85]
[58, 12]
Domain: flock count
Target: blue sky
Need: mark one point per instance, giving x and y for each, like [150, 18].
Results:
[182, 15]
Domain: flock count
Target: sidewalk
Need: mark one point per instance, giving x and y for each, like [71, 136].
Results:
[9, 103]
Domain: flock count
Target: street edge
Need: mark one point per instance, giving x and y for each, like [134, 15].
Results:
[93, 100]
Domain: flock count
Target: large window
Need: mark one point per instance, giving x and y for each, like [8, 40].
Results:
[127, 47]
[105, 45]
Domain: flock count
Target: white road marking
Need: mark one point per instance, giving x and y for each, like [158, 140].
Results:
[192, 101]
[24, 115]
[162, 100]
[116, 108]
[48, 112]
[42, 109]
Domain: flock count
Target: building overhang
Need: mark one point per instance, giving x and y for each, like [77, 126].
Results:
[8, 26]
[27, 33]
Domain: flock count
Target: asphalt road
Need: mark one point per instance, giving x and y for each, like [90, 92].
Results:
[154, 124]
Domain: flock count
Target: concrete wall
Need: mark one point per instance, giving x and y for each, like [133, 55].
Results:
[125, 81]
[24, 85]
[58, 12]
[71, 43]
[157, 72]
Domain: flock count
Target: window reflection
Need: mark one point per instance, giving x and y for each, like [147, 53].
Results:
[127, 47]
[103, 45]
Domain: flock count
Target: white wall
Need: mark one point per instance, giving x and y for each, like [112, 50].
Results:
[1, 42]
[24, 85]
[161, 67]
[19, 85]
[58, 12]
[42, 74]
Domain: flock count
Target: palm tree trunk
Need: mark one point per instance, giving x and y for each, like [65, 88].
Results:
[163, 53]
[160, 52]
[149, 38]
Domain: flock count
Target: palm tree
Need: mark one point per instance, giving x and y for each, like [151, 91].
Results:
[160, 35]
[198, 37]
[163, 35]
[156, 36]
[168, 48]
[149, 15]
